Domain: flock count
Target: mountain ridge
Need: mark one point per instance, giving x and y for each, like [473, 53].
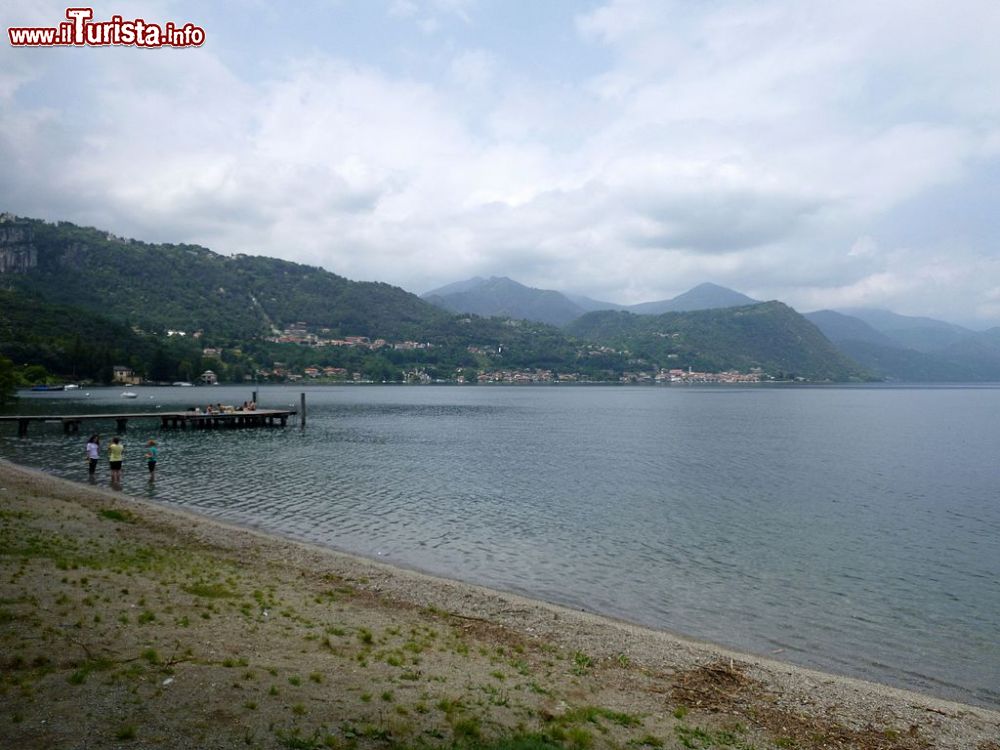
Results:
[911, 348]
[504, 297]
[260, 316]
[766, 335]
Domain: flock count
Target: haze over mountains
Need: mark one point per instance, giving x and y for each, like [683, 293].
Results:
[503, 297]
[914, 349]
[78, 300]
[892, 346]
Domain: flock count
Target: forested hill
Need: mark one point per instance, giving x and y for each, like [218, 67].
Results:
[186, 287]
[769, 335]
[77, 301]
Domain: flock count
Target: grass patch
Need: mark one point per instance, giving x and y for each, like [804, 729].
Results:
[467, 730]
[696, 737]
[151, 656]
[518, 741]
[581, 664]
[127, 732]
[648, 740]
[210, 590]
[79, 676]
[593, 715]
[113, 514]
[579, 738]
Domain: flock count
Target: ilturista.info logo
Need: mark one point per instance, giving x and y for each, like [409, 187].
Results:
[81, 30]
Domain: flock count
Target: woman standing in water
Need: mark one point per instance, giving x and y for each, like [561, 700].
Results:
[93, 455]
[115, 453]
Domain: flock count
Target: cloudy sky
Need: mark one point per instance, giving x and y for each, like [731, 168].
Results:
[825, 154]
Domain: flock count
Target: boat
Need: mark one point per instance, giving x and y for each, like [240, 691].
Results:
[129, 394]
[47, 387]
[71, 386]
[183, 384]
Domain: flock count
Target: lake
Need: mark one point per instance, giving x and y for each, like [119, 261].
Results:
[850, 529]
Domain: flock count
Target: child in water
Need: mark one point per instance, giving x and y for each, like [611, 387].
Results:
[152, 453]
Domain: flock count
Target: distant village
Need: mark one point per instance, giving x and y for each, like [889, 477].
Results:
[300, 335]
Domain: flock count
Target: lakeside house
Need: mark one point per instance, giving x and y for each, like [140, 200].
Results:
[122, 375]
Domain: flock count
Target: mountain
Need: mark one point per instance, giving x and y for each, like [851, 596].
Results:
[78, 300]
[499, 296]
[840, 327]
[980, 352]
[769, 335]
[702, 297]
[908, 365]
[457, 287]
[185, 287]
[589, 305]
[503, 297]
[921, 334]
[944, 352]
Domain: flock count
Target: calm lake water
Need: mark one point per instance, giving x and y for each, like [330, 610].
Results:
[854, 529]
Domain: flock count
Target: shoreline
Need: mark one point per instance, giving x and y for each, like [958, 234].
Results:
[730, 651]
[600, 655]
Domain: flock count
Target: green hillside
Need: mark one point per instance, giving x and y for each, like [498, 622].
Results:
[80, 345]
[769, 335]
[186, 287]
[78, 300]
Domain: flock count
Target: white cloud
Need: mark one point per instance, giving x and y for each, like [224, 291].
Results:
[473, 68]
[768, 147]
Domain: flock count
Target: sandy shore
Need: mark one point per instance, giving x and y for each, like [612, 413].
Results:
[127, 624]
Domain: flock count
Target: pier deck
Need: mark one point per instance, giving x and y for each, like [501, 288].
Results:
[198, 420]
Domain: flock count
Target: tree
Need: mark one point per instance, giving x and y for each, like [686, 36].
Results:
[34, 375]
[161, 368]
[8, 381]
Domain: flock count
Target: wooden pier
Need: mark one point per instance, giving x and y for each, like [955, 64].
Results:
[182, 419]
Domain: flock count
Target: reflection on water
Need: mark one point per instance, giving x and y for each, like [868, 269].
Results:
[851, 529]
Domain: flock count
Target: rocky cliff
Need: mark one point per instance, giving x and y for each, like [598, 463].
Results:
[17, 249]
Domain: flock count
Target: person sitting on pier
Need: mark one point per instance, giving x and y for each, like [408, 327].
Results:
[209, 410]
[252, 406]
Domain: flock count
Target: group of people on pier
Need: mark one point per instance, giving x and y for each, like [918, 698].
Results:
[225, 409]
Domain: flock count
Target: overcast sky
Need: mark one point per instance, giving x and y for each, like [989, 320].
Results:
[828, 154]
